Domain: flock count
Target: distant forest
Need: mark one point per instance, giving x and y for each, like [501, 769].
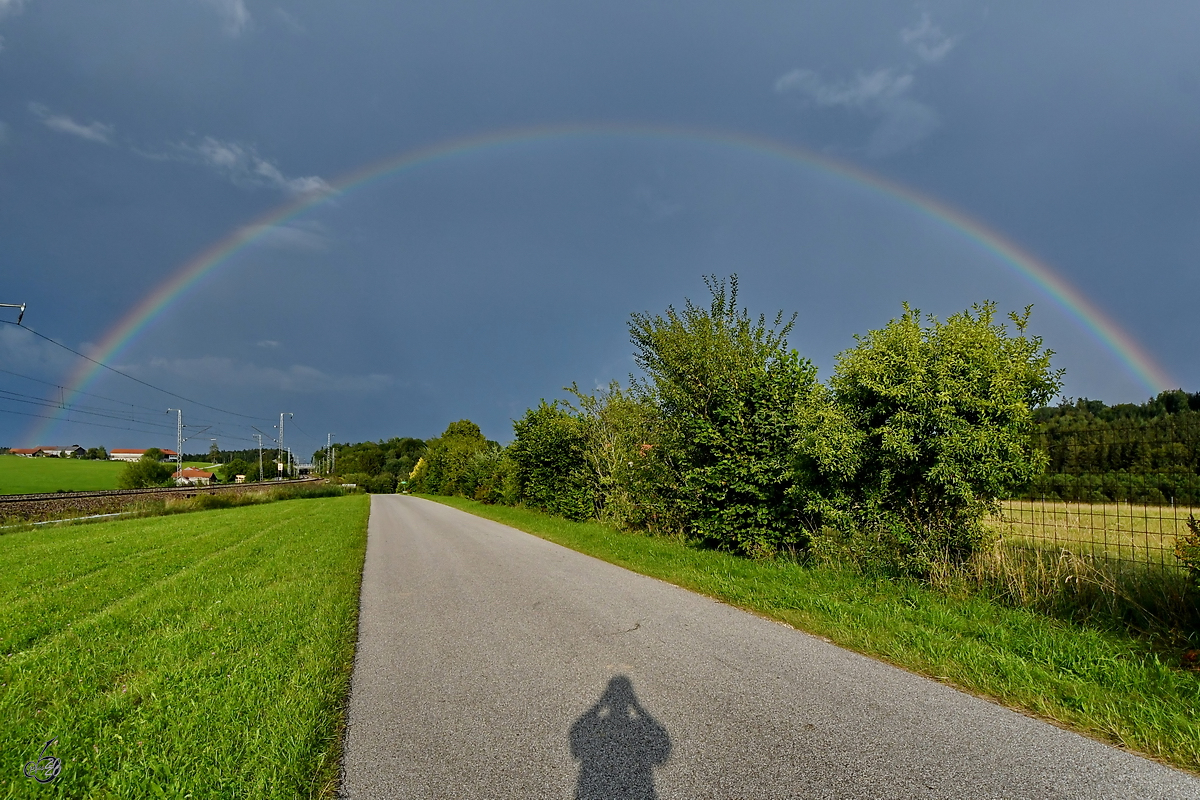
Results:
[1142, 453]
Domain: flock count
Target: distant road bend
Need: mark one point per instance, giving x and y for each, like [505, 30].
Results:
[493, 664]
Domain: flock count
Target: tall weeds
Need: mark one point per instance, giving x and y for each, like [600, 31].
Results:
[1145, 599]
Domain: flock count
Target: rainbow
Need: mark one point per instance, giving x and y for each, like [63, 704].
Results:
[1136, 360]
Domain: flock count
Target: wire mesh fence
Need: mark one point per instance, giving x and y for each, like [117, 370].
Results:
[1111, 492]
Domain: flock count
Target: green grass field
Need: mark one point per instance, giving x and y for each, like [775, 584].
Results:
[1112, 687]
[1117, 531]
[199, 655]
[20, 475]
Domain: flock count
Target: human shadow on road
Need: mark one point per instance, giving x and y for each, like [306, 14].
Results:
[617, 744]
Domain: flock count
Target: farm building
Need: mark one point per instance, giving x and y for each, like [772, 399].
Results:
[192, 477]
[49, 450]
[121, 454]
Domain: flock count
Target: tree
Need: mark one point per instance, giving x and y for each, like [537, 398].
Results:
[237, 466]
[147, 471]
[97, 454]
[726, 389]
[214, 452]
[925, 427]
[448, 467]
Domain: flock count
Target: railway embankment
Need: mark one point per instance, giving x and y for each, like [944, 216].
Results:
[64, 505]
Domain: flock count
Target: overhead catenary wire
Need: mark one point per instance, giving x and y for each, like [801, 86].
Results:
[63, 389]
[107, 413]
[81, 422]
[130, 377]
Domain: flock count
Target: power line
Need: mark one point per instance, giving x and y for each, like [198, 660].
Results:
[130, 377]
[81, 422]
[47, 403]
[78, 391]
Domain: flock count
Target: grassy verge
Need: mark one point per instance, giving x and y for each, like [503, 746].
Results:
[201, 655]
[1109, 686]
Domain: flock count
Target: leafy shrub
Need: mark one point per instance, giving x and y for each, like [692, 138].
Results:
[145, 472]
[449, 460]
[924, 428]
[633, 474]
[549, 465]
[493, 477]
[1187, 549]
[727, 390]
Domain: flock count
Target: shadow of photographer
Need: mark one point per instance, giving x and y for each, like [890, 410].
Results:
[617, 744]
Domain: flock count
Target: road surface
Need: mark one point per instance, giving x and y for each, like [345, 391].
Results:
[493, 664]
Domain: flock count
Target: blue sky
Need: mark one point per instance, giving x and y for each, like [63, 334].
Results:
[134, 135]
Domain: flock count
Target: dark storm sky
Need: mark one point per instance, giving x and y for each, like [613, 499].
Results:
[135, 134]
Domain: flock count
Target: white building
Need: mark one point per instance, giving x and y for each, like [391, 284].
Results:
[119, 454]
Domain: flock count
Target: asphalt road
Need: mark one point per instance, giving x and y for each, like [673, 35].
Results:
[493, 664]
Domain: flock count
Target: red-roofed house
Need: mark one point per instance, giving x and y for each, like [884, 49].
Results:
[192, 477]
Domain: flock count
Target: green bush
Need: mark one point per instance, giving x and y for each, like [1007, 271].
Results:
[728, 390]
[924, 428]
[1187, 549]
[146, 472]
[549, 464]
[448, 462]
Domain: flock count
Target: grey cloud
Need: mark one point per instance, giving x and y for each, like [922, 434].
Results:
[927, 40]
[290, 22]
[298, 378]
[882, 94]
[10, 7]
[61, 123]
[865, 91]
[905, 122]
[234, 14]
[243, 166]
[304, 236]
[19, 349]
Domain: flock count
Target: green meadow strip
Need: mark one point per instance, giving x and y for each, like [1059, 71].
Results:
[1111, 687]
[199, 655]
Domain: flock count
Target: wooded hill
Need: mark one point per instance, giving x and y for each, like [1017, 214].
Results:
[1147, 452]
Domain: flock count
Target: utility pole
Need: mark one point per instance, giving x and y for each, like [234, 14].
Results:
[279, 459]
[259, 435]
[178, 441]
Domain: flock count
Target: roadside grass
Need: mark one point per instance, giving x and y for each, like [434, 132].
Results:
[20, 475]
[1107, 685]
[199, 655]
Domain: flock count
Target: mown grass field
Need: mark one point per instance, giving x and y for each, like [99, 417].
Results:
[1112, 687]
[199, 655]
[20, 475]
[1115, 531]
